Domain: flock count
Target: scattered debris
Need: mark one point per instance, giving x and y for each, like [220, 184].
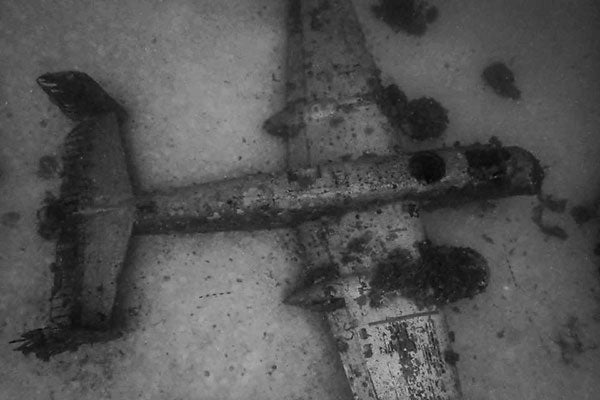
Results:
[582, 214]
[442, 275]
[216, 294]
[552, 203]
[10, 219]
[569, 342]
[48, 167]
[451, 357]
[548, 229]
[410, 16]
[512, 273]
[487, 238]
[500, 78]
[554, 230]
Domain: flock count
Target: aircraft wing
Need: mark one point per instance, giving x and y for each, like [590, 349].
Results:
[332, 114]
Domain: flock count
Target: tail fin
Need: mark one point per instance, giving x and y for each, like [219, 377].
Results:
[77, 95]
[96, 210]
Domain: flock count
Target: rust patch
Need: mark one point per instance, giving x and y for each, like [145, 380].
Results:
[402, 343]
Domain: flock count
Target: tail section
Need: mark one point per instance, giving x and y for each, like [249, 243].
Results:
[95, 217]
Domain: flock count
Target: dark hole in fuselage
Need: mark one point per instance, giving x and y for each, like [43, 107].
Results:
[427, 167]
[487, 164]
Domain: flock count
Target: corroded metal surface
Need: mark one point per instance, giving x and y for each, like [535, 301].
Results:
[262, 201]
[340, 119]
[394, 350]
[402, 348]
